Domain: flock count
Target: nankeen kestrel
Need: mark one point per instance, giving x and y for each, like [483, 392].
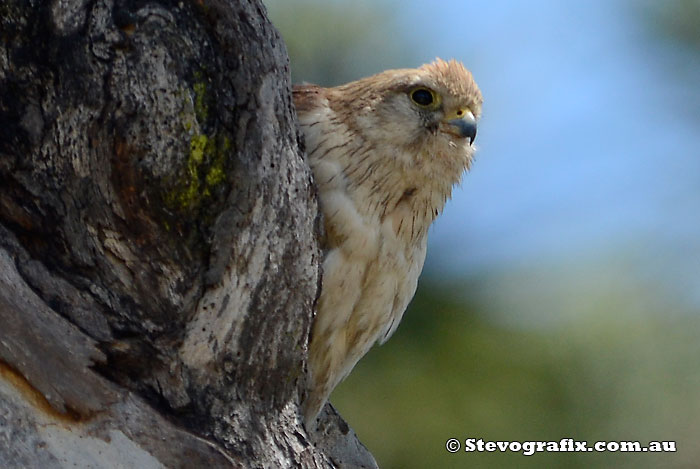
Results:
[385, 153]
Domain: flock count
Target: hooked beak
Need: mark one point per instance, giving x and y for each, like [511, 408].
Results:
[463, 127]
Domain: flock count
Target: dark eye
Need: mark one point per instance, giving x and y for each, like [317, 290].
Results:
[422, 97]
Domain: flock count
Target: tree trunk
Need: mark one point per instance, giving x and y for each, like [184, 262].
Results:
[159, 257]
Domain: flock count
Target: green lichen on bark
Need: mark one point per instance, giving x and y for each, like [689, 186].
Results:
[205, 169]
[201, 108]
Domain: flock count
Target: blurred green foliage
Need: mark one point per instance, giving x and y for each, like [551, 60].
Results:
[679, 20]
[450, 371]
[333, 42]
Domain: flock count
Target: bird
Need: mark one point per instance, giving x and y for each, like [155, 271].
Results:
[385, 152]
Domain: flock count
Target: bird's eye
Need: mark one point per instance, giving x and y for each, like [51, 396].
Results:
[422, 97]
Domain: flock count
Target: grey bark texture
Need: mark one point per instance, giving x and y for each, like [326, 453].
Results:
[159, 256]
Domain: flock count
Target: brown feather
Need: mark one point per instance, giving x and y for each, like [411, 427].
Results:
[307, 97]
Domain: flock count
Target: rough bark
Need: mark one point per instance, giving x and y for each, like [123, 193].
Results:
[159, 257]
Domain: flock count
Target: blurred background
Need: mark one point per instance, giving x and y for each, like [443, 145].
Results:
[561, 294]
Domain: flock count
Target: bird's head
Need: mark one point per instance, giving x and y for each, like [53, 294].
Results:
[430, 112]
